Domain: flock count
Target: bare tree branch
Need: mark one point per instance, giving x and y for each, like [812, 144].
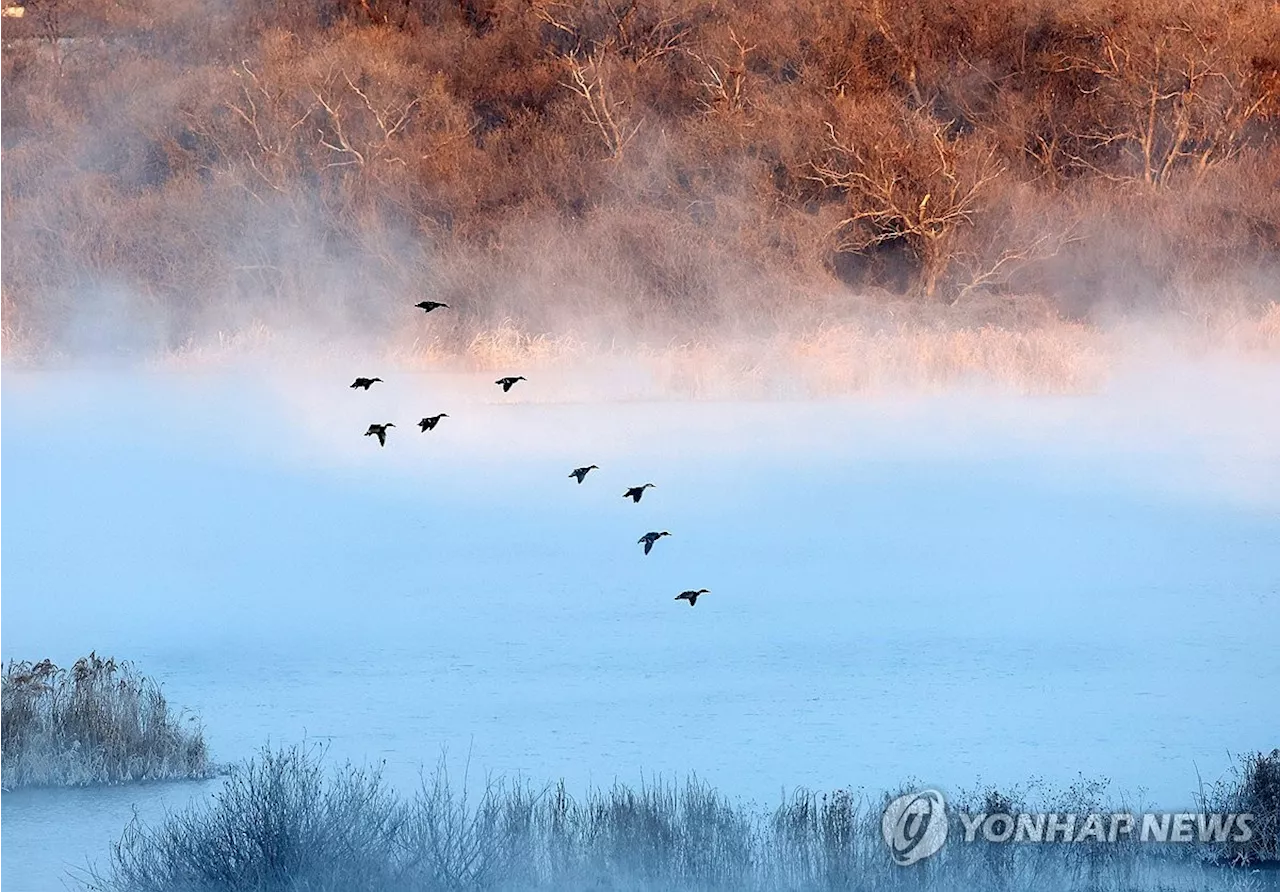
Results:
[602, 110]
[725, 77]
[887, 205]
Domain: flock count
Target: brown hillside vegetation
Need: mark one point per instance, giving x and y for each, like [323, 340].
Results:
[173, 168]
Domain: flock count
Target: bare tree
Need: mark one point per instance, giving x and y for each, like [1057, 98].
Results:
[914, 185]
[601, 109]
[274, 130]
[1159, 97]
[1011, 250]
[381, 122]
[635, 31]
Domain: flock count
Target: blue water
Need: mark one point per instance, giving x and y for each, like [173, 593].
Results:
[919, 590]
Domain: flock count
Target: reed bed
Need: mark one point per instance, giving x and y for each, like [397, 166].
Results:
[100, 722]
[283, 823]
[830, 360]
[1253, 787]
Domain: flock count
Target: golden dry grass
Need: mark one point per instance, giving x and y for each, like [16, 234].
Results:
[17, 346]
[829, 361]
[1267, 335]
[1066, 358]
[836, 359]
[498, 348]
[1258, 334]
[850, 358]
[223, 348]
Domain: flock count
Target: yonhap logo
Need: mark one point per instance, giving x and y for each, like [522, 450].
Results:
[915, 826]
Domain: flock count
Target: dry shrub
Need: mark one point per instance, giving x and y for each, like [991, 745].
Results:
[658, 169]
[1253, 788]
[284, 821]
[907, 180]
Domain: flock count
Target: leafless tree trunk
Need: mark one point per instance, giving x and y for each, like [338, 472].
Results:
[888, 202]
[1164, 101]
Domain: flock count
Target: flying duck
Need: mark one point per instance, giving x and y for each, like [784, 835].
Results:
[635, 492]
[692, 596]
[379, 431]
[649, 538]
[581, 473]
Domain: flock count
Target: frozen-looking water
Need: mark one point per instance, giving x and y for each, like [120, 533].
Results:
[955, 589]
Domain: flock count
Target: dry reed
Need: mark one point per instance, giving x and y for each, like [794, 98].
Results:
[98, 722]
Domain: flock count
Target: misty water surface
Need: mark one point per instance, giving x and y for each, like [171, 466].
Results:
[960, 590]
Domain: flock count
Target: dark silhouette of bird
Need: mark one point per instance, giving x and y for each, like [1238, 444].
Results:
[365, 383]
[508, 382]
[429, 423]
[692, 596]
[635, 492]
[428, 305]
[581, 473]
[649, 538]
[379, 431]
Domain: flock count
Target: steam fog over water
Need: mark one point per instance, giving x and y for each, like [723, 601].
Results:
[689, 225]
[959, 589]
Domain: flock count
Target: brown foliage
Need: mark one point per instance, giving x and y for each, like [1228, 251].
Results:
[636, 162]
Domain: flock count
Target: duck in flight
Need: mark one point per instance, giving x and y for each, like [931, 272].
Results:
[692, 596]
[581, 473]
[649, 538]
[428, 305]
[364, 383]
[635, 492]
[429, 423]
[379, 431]
[507, 383]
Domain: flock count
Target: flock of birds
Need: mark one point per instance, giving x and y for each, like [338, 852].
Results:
[634, 493]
